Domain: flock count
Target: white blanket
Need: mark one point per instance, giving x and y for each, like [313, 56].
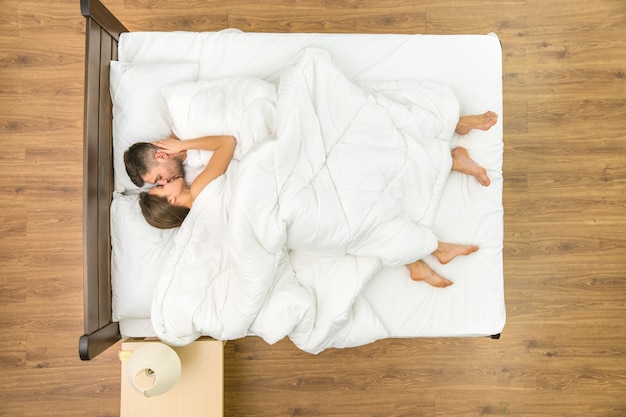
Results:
[285, 243]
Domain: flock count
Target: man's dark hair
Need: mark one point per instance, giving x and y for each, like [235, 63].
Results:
[138, 159]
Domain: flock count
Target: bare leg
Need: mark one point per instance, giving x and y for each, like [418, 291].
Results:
[445, 252]
[477, 121]
[421, 272]
[462, 162]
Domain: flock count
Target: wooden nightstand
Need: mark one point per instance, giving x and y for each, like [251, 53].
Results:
[199, 391]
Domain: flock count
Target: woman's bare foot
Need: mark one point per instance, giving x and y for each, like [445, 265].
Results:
[446, 252]
[462, 162]
[476, 121]
[421, 272]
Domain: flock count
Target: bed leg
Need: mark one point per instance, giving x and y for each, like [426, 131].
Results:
[495, 336]
[91, 345]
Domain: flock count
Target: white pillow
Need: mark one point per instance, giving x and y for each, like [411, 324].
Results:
[138, 254]
[140, 112]
[244, 107]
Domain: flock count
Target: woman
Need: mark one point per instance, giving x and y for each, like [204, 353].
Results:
[167, 205]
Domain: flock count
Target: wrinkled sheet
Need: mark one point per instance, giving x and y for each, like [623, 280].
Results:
[284, 244]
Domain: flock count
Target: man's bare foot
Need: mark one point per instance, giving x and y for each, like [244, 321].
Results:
[476, 121]
[446, 252]
[421, 272]
[462, 162]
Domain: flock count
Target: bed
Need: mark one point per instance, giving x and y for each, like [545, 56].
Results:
[143, 282]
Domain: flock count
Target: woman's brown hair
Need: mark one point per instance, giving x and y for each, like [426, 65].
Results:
[159, 213]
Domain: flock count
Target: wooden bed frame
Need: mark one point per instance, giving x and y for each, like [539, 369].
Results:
[102, 34]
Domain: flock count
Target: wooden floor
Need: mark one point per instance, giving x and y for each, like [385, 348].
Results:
[563, 351]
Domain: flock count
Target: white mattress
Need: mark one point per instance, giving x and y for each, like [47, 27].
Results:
[136, 328]
[469, 213]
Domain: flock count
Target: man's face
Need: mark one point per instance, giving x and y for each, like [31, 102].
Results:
[163, 171]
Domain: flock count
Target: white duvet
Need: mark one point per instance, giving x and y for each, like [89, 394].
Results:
[285, 243]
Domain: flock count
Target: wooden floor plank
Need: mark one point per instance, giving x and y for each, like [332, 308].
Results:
[262, 19]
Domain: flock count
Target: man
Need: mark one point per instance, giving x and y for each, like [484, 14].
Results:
[146, 163]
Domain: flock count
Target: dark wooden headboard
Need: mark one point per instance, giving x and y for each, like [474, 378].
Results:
[102, 34]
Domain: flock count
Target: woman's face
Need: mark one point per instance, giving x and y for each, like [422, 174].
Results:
[171, 190]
